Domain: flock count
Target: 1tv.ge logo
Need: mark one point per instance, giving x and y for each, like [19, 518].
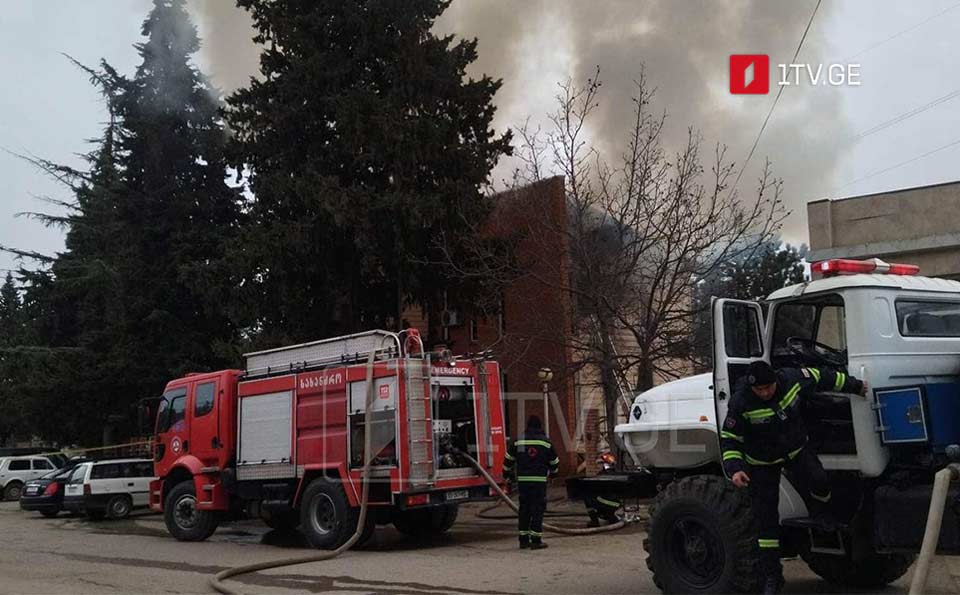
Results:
[750, 74]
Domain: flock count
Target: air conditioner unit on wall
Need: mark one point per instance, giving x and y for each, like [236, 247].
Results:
[450, 318]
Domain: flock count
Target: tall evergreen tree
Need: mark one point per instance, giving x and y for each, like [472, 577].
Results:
[135, 298]
[367, 144]
[11, 323]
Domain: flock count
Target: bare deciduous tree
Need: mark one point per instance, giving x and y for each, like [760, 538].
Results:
[643, 230]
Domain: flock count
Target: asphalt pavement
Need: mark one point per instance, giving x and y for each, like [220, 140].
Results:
[477, 557]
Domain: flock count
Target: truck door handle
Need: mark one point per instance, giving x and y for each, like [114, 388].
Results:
[130, 485]
[215, 442]
[186, 445]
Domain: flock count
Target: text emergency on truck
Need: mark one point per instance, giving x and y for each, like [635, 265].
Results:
[283, 439]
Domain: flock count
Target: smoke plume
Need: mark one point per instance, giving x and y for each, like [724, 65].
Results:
[684, 48]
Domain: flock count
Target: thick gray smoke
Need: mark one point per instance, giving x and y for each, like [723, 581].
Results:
[685, 48]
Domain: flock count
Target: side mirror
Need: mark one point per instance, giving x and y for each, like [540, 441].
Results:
[147, 415]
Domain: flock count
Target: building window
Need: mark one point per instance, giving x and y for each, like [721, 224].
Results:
[474, 331]
[501, 318]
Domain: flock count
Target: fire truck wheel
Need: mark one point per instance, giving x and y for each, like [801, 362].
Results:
[368, 528]
[326, 519]
[182, 518]
[119, 507]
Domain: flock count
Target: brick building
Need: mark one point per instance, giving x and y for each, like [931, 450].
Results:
[532, 329]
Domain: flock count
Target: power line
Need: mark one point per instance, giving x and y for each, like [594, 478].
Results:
[901, 164]
[899, 33]
[906, 115]
[774, 104]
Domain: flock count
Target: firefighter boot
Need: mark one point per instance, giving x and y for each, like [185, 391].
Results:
[594, 519]
[538, 545]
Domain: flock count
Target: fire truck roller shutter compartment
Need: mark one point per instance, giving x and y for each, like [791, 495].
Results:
[454, 422]
[264, 450]
[383, 422]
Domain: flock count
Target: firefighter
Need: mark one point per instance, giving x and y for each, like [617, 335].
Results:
[763, 433]
[599, 507]
[534, 459]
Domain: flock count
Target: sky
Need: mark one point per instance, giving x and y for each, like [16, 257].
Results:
[899, 128]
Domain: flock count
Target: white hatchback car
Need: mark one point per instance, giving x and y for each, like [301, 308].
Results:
[109, 488]
[16, 471]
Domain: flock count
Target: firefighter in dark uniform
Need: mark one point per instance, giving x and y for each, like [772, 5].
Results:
[534, 459]
[599, 507]
[763, 433]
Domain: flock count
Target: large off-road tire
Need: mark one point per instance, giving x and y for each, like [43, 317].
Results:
[870, 572]
[702, 538]
[424, 522]
[119, 507]
[326, 518]
[184, 521]
[13, 491]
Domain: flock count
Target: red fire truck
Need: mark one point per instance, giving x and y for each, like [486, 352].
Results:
[283, 439]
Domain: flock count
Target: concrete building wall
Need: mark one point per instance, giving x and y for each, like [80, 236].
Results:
[915, 225]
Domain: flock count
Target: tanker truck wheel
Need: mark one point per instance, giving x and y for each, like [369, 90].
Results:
[870, 572]
[184, 521]
[702, 538]
[326, 518]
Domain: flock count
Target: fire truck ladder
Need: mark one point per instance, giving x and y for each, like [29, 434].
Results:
[319, 354]
[419, 423]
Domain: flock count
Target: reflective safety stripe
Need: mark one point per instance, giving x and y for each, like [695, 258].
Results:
[555, 461]
[732, 454]
[768, 543]
[542, 443]
[754, 461]
[840, 381]
[608, 502]
[790, 397]
[821, 498]
[535, 534]
[509, 457]
[532, 478]
[758, 413]
[815, 373]
[793, 453]
[731, 435]
[523, 533]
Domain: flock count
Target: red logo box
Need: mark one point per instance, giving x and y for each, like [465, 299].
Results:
[749, 74]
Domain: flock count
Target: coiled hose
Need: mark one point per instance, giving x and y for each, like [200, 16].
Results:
[554, 528]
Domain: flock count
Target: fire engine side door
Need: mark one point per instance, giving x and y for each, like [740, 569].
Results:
[171, 427]
[738, 339]
[204, 412]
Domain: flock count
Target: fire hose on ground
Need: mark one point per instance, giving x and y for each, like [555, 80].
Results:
[931, 535]
[217, 581]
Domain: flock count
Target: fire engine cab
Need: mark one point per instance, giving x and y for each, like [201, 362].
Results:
[283, 439]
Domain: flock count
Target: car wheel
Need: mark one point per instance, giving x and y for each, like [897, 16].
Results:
[119, 507]
[13, 491]
[183, 519]
[326, 518]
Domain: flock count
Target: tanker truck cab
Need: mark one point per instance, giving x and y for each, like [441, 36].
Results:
[879, 322]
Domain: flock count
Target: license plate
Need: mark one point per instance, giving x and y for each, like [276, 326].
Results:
[457, 495]
[32, 490]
